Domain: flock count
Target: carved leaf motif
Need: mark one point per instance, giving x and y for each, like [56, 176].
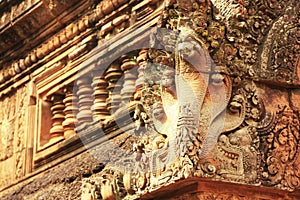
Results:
[235, 45]
[283, 158]
[292, 175]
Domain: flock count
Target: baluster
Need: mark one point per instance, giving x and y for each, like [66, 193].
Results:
[141, 61]
[130, 75]
[99, 108]
[71, 110]
[113, 76]
[85, 101]
[58, 116]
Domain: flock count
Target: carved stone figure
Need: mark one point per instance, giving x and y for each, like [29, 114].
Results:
[209, 94]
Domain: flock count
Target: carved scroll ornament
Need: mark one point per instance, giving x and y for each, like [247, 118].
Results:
[201, 110]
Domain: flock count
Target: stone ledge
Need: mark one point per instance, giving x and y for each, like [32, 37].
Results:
[193, 187]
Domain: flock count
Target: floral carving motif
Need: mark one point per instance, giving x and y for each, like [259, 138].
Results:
[287, 51]
[233, 138]
[212, 196]
[282, 157]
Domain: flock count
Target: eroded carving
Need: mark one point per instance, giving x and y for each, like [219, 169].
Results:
[195, 115]
[7, 126]
[107, 185]
[12, 133]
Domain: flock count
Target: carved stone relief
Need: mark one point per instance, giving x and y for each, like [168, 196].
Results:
[280, 150]
[12, 132]
[15, 11]
[7, 126]
[283, 39]
[217, 126]
[21, 106]
[199, 105]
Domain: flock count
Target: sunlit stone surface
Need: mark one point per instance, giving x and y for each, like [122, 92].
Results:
[152, 99]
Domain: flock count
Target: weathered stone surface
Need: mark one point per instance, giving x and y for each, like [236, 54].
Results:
[98, 106]
[64, 181]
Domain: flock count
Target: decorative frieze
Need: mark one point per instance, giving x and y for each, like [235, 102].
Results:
[72, 34]
[84, 46]
[200, 108]
[280, 150]
[208, 117]
[56, 107]
[115, 23]
[28, 18]
[66, 35]
[15, 11]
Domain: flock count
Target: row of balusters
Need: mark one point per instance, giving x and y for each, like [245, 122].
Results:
[95, 97]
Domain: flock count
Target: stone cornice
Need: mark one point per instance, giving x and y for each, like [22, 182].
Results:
[14, 10]
[25, 25]
[101, 19]
[206, 187]
[6, 4]
[136, 33]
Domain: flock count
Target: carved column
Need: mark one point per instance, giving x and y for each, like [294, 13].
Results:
[130, 75]
[141, 61]
[85, 101]
[71, 110]
[113, 76]
[58, 116]
[100, 95]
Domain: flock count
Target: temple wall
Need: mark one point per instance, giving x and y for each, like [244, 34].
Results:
[119, 99]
